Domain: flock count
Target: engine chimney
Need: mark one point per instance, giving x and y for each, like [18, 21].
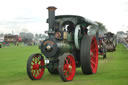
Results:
[51, 17]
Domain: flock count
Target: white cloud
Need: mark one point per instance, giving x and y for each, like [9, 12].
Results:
[32, 14]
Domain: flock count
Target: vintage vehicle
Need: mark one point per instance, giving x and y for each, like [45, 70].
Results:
[12, 38]
[68, 46]
[110, 41]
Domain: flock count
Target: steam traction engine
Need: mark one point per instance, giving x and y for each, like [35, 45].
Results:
[68, 46]
[110, 41]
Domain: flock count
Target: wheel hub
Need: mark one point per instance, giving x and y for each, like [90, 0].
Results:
[70, 67]
[48, 48]
[35, 66]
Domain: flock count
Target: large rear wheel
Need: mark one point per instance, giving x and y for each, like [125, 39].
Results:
[67, 67]
[35, 65]
[89, 55]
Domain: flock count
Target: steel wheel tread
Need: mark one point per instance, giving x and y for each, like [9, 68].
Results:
[64, 65]
[89, 55]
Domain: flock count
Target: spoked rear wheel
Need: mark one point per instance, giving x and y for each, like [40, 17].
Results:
[89, 54]
[34, 66]
[67, 67]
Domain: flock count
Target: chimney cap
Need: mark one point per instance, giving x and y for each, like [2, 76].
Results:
[52, 8]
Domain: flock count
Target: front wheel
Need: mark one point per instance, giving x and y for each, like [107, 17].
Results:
[67, 67]
[35, 66]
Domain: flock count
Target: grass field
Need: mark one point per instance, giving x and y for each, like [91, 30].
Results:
[111, 71]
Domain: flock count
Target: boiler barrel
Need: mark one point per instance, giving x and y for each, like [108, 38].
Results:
[64, 47]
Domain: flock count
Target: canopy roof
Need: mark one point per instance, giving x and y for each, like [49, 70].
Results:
[74, 19]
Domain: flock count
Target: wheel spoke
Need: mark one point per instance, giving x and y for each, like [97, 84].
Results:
[65, 72]
[33, 72]
[92, 67]
[38, 72]
[70, 71]
[33, 62]
[92, 62]
[66, 61]
[31, 68]
[70, 61]
[38, 61]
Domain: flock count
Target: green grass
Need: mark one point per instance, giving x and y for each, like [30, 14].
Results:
[11, 44]
[111, 71]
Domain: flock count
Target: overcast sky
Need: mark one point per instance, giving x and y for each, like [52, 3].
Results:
[30, 15]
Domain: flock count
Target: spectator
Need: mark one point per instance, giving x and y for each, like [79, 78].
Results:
[0, 46]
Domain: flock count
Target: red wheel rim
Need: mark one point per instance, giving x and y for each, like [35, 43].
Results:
[69, 67]
[37, 62]
[94, 55]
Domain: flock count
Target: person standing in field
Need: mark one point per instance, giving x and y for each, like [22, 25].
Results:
[0, 46]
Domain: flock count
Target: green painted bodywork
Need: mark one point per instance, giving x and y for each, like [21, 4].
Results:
[65, 46]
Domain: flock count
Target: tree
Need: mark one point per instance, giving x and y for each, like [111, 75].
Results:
[29, 35]
[127, 33]
[26, 36]
[1, 34]
[120, 34]
[40, 35]
[36, 35]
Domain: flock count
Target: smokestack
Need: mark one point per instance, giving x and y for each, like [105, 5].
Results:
[51, 17]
